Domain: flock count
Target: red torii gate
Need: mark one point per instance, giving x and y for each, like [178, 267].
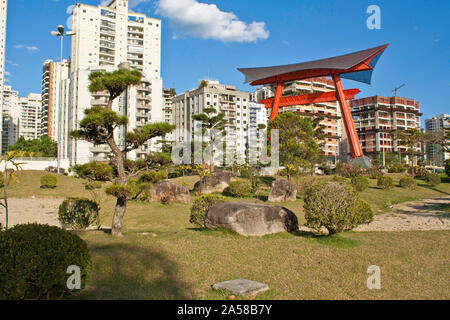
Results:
[356, 66]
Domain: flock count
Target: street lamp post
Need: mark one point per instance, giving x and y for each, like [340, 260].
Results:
[62, 34]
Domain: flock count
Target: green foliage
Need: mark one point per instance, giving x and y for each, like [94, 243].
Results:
[360, 183]
[93, 185]
[96, 171]
[447, 168]
[201, 206]
[119, 191]
[79, 213]
[398, 168]
[43, 147]
[433, 179]
[114, 82]
[239, 189]
[420, 172]
[298, 139]
[48, 181]
[334, 206]
[339, 179]
[363, 213]
[152, 176]
[385, 183]
[35, 259]
[408, 183]
[374, 173]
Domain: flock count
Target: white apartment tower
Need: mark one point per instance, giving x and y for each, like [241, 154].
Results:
[107, 36]
[224, 99]
[52, 74]
[29, 122]
[3, 14]
[10, 117]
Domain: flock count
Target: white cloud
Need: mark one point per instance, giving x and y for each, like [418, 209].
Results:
[207, 21]
[29, 48]
[7, 73]
[12, 63]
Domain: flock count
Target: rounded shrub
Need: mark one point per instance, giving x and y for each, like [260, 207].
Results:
[79, 213]
[432, 179]
[374, 173]
[201, 206]
[348, 171]
[96, 171]
[239, 189]
[385, 183]
[48, 181]
[35, 260]
[408, 183]
[360, 183]
[334, 206]
[339, 179]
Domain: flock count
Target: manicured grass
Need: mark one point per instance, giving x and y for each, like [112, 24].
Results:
[181, 262]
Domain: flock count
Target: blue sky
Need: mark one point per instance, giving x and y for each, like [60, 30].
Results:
[261, 33]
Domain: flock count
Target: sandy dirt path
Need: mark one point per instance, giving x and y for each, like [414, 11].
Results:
[413, 216]
[39, 210]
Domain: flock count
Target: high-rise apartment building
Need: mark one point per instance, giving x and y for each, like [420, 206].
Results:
[224, 99]
[258, 122]
[20, 117]
[52, 74]
[3, 15]
[106, 37]
[136, 103]
[435, 154]
[168, 95]
[29, 122]
[329, 111]
[10, 117]
[377, 118]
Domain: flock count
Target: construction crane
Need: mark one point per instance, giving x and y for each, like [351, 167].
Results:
[396, 89]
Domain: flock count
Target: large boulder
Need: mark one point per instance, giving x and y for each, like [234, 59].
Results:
[217, 182]
[250, 219]
[282, 190]
[167, 190]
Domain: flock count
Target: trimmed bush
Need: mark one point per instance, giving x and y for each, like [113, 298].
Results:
[239, 189]
[408, 183]
[398, 168]
[152, 176]
[48, 181]
[96, 171]
[385, 183]
[363, 213]
[339, 179]
[334, 206]
[360, 183]
[348, 171]
[432, 179]
[374, 173]
[35, 261]
[200, 208]
[79, 213]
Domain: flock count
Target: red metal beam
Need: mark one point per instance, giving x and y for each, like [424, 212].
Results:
[311, 98]
[355, 145]
[276, 101]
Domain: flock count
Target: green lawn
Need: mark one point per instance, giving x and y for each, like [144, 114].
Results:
[182, 262]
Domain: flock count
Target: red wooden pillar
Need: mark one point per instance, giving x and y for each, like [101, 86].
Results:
[276, 101]
[355, 145]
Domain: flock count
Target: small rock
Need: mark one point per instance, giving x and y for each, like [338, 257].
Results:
[231, 297]
[241, 287]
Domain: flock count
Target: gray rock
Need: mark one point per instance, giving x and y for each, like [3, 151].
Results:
[217, 182]
[282, 190]
[166, 189]
[250, 219]
[241, 287]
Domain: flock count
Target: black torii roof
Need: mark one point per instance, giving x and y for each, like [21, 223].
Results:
[339, 64]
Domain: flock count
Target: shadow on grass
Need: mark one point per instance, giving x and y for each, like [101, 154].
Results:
[340, 240]
[267, 180]
[131, 272]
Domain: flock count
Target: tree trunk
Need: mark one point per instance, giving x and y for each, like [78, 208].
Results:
[121, 204]
[119, 213]
[5, 187]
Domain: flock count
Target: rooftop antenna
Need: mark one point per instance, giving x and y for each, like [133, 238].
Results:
[396, 89]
